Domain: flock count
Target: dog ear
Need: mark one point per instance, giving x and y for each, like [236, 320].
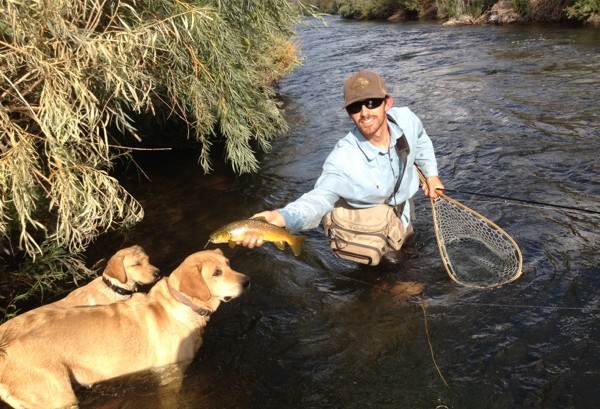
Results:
[194, 285]
[115, 268]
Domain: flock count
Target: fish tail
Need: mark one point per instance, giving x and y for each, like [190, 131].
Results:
[296, 245]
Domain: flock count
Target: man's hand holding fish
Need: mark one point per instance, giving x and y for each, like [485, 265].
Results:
[255, 231]
[256, 240]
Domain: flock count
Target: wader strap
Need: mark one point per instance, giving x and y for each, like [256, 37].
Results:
[399, 209]
[403, 150]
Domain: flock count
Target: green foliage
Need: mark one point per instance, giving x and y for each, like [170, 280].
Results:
[547, 10]
[382, 9]
[475, 7]
[73, 74]
[421, 8]
[325, 6]
[457, 8]
[368, 9]
[521, 6]
[39, 277]
[583, 9]
[532, 10]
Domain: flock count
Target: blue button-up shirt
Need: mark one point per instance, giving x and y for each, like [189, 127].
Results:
[364, 175]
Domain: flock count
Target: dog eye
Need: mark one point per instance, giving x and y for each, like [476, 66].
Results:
[218, 272]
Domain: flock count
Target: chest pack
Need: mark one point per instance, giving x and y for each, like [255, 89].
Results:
[364, 235]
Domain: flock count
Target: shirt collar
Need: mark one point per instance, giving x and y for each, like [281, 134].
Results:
[370, 150]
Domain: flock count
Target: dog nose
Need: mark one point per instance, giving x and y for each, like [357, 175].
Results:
[246, 283]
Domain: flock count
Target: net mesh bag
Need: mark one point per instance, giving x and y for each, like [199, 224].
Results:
[475, 251]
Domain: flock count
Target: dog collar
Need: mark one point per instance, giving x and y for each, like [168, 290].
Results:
[115, 288]
[184, 300]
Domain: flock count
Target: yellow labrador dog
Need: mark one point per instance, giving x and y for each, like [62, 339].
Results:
[125, 270]
[42, 356]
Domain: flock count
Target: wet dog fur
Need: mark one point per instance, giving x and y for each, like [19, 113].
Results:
[44, 356]
[125, 271]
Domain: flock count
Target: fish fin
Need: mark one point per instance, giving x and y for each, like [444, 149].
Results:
[232, 244]
[260, 219]
[280, 244]
[296, 245]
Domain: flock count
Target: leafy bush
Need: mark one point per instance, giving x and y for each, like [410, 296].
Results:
[521, 6]
[74, 74]
[457, 8]
[547, 10]
[368, 9]
[583, 9]
[325, 6]
[533, 10]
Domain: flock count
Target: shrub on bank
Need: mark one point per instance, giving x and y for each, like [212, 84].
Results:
[73, 76]
[457, 8]
[588, 10]
[530, 10]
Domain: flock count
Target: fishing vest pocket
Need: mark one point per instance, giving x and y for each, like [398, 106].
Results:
[363, 235]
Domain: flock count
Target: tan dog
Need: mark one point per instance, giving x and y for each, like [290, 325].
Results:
[42, 355]
[125, 270]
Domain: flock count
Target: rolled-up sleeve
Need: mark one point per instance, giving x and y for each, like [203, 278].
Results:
[307, 211]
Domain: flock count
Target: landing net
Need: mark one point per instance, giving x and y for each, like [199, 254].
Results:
[475, 251]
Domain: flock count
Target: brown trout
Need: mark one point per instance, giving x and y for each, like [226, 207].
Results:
[237, 231]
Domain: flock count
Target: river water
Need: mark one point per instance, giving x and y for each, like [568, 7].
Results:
[512, 111]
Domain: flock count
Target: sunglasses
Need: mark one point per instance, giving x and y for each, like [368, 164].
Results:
[370, 103]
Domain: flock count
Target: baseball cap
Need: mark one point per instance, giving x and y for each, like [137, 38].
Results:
[363, 85]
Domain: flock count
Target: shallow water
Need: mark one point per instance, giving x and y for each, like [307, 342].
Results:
[512, 111]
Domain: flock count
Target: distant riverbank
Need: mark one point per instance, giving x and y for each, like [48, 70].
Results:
[459, 12]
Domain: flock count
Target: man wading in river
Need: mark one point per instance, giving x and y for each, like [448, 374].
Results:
[364, 194]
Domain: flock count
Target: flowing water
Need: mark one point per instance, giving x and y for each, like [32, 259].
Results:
[512, 111]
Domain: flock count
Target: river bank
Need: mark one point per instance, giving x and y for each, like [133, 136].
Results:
[504, 12]
[468, 12]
